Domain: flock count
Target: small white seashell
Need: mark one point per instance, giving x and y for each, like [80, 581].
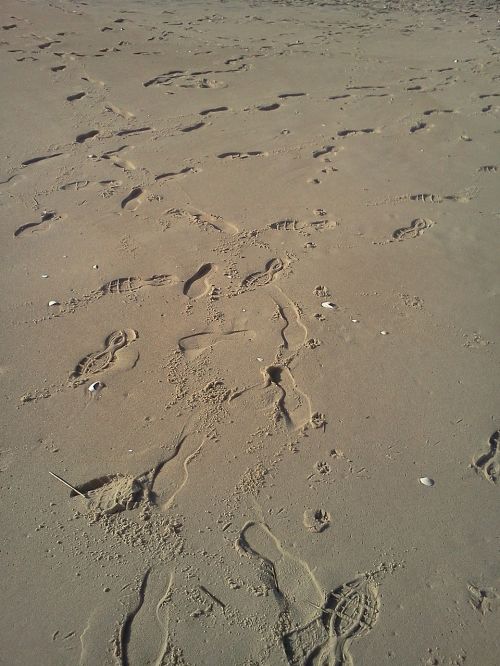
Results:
[260, 359]
[425, 481]
[355, 321]
[384, 332]
[44, 275]
[95, 266]
[51, 303]
[96, 386]
[329, 305]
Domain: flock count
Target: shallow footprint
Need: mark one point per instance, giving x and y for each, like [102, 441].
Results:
[261, 278]
[194, 345]
[290, 579]
[99, 361]
[348, 613]
[488, 464]
[416, 228]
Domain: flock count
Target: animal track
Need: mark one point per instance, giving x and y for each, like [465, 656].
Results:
[261, 278]
[133, 200]
[416, 228]
[99, 361]
[192, 288]
[34, 225]
[488, 464]
[348, 613]
[489, 168]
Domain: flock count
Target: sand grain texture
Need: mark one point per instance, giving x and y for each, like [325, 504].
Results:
[189, 182]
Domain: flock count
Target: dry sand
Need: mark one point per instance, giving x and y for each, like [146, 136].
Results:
[190, 181]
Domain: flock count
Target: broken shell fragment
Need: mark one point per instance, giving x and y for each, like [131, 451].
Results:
[384, 332]
[51, 303]
[425, 481]
[329, 305]
[96, 386]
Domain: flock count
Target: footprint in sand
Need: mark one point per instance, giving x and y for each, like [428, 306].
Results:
[416, 229]
[348, 613]
[34, 226]
[261, 278]
[194, 345]
[198, 284]
[133, 199]
[111, 494]
[289, 578]
[99, 361]
[488, 464]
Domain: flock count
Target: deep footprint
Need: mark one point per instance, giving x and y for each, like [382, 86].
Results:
[200, 274]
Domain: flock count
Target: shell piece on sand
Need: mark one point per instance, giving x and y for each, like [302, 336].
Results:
[329, 305]
[426, 481]
[51, 303]
[96, 386]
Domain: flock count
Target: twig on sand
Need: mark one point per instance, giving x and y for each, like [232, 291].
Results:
[212, 596]
[67, 484]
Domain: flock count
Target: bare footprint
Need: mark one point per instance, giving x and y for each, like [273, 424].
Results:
[289, 578]
[133, 199]
[198, 284]
[194, 345]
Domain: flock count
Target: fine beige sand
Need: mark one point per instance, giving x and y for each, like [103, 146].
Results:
[191, 183]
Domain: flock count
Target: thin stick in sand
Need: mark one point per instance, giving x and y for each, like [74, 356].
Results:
[67, 484]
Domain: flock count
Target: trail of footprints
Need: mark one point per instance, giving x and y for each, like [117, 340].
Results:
[342, 616]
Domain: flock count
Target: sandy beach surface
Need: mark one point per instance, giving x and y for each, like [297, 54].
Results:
[250, 307]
